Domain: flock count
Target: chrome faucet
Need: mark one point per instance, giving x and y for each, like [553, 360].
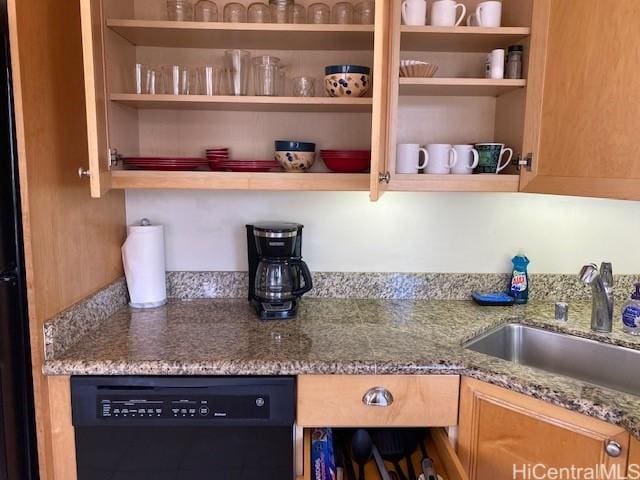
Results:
[602, 290]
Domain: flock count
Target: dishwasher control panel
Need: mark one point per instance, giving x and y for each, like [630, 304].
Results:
[235, 407]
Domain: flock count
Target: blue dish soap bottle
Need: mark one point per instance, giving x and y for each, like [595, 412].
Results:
[519, 288]
[631, 313]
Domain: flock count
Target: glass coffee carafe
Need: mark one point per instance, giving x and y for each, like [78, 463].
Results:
[278, 279]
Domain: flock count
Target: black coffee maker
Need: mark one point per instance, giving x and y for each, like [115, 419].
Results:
[277, 275]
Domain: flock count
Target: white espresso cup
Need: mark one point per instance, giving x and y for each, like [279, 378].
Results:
[467, 160]
[414, 12]
[487, 14]
[408, 158]
[443, 13]
[442, 158]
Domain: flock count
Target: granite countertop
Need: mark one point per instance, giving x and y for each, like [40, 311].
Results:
[338, 336]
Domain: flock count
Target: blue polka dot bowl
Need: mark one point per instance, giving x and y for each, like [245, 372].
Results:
[294, 161]
[346, 80]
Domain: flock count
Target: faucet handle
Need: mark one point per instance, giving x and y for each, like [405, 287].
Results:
[606, 272]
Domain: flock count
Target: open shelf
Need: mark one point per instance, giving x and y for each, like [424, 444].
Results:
[263, 36]
[459, 39]
[283, 181]
[458, 87]
[245, 103]
[454, 183]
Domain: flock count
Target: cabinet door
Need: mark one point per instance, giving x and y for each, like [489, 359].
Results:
[501, 430]
[91, 13]
[582, 126]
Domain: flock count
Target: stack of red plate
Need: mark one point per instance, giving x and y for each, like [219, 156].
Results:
[219, 153]
[164, 163]
[347, 161]
[219, 161]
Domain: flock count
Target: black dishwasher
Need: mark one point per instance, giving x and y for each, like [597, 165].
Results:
[184, 428]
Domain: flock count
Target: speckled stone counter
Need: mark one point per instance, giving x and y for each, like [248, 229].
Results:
[348, 336]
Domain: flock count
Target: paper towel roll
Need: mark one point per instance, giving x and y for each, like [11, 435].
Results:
[144, 265]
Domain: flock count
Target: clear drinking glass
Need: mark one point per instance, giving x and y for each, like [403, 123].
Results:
[299, 14]
[179, 10]
[319, 13]
[259, 13]
[139, 77]
[304, 86]
[365, 13]
[342, 13]
[209, 80]
[237, 64]
[235, 13]
[281, 11]
[206, 11]
[179, 80]
[266, 75]
[147, 79]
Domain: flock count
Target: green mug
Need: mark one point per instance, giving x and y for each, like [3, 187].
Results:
[490, 157]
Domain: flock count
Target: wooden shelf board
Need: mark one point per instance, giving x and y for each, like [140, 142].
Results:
[458, 87]
[248, 103]
[263, 36]
[454, 183]
[459, 39]
[137, 179]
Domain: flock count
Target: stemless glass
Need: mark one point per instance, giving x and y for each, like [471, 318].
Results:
[342, 13]
[237, 64]
[266, 74]
[206, 11]
[209, 77]
[281, 11]
[148, 79]
[235, 13]
[179, 10]
[304, 86]
[299, 14]
[365, 13]
[319, 13]
[259, 13]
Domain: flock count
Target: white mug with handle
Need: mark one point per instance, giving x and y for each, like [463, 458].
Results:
[414, 12]
[442, 158]
[443, 13]
[487, 14]
[468, 159]
[408, 158]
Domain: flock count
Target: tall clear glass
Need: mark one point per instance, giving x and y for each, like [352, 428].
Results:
[209, 77]
[266, 75]
[237, 65]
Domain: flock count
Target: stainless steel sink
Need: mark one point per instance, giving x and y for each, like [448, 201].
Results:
[595, 362]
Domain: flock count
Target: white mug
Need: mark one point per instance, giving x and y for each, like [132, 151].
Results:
[442, 158]
[443, 13]
[467, 160]
[414, 12]
[487, 14]
[408, 158]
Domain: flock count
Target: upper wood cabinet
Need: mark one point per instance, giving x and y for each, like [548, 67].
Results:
[500, 430]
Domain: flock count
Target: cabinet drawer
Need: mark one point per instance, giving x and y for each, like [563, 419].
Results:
[338, 401]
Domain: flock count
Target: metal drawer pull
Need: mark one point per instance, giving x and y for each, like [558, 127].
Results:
[377, 397]
[613, 448]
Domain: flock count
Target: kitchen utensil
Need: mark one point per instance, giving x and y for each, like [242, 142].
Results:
[417, 68]
[346, 161]
[487, 14]
[209, 80]
[258, 12]
[346, 80]
[496, 65]
[294, 145]
[361, 449]
[342, 13]
[443, 13]
[179, 10]
[319, 13]
[235, 13]
[390, 442]
[299, 14]
[206, 11]
[408, 158]
[364, 13]
[164, 163]
[281, 11]
[490, 157]
[427, 469]
[304, 86]
[266, 76]
[293, 161]
[414, 12]
[442, 158]
[382, 470]
[468, 159]
[237, 64]
[411, 440]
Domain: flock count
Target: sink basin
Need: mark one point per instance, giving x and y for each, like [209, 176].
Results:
[589, 360]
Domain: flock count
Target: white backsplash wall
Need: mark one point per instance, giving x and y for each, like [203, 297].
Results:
[403, 232]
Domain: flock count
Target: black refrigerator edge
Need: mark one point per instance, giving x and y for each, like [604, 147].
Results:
[18, 458]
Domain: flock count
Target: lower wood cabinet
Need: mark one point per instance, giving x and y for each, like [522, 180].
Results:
[500, 430]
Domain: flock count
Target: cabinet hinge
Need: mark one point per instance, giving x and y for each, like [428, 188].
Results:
[384, 177]
[114, 157]
[526, 162]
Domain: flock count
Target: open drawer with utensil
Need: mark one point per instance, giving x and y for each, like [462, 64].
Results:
[401, 417]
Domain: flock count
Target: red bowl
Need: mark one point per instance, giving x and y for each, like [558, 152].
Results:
[347, 164]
